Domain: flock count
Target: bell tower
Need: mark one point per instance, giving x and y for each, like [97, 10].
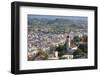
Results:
[67, 43]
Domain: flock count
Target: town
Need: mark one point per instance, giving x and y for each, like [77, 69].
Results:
[48, 42]
[56, 38]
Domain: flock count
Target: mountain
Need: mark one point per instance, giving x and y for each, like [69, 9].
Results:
[58, 23]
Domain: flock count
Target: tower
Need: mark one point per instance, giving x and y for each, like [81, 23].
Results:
[67, 43]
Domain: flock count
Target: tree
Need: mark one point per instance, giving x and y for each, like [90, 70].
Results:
[84, 38]
[61, 49]
[83, 47]
[78, 53]
[76, 39]
[41, 55]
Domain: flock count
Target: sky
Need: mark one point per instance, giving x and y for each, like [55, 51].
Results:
[55, 17]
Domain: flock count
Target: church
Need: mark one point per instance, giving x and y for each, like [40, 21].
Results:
[68, 51]
[70, 48]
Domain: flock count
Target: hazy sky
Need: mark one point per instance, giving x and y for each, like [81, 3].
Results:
[55, 17]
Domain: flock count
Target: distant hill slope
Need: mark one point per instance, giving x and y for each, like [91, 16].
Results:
[58, 23]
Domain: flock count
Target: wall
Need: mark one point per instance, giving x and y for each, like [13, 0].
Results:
[5, 41]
